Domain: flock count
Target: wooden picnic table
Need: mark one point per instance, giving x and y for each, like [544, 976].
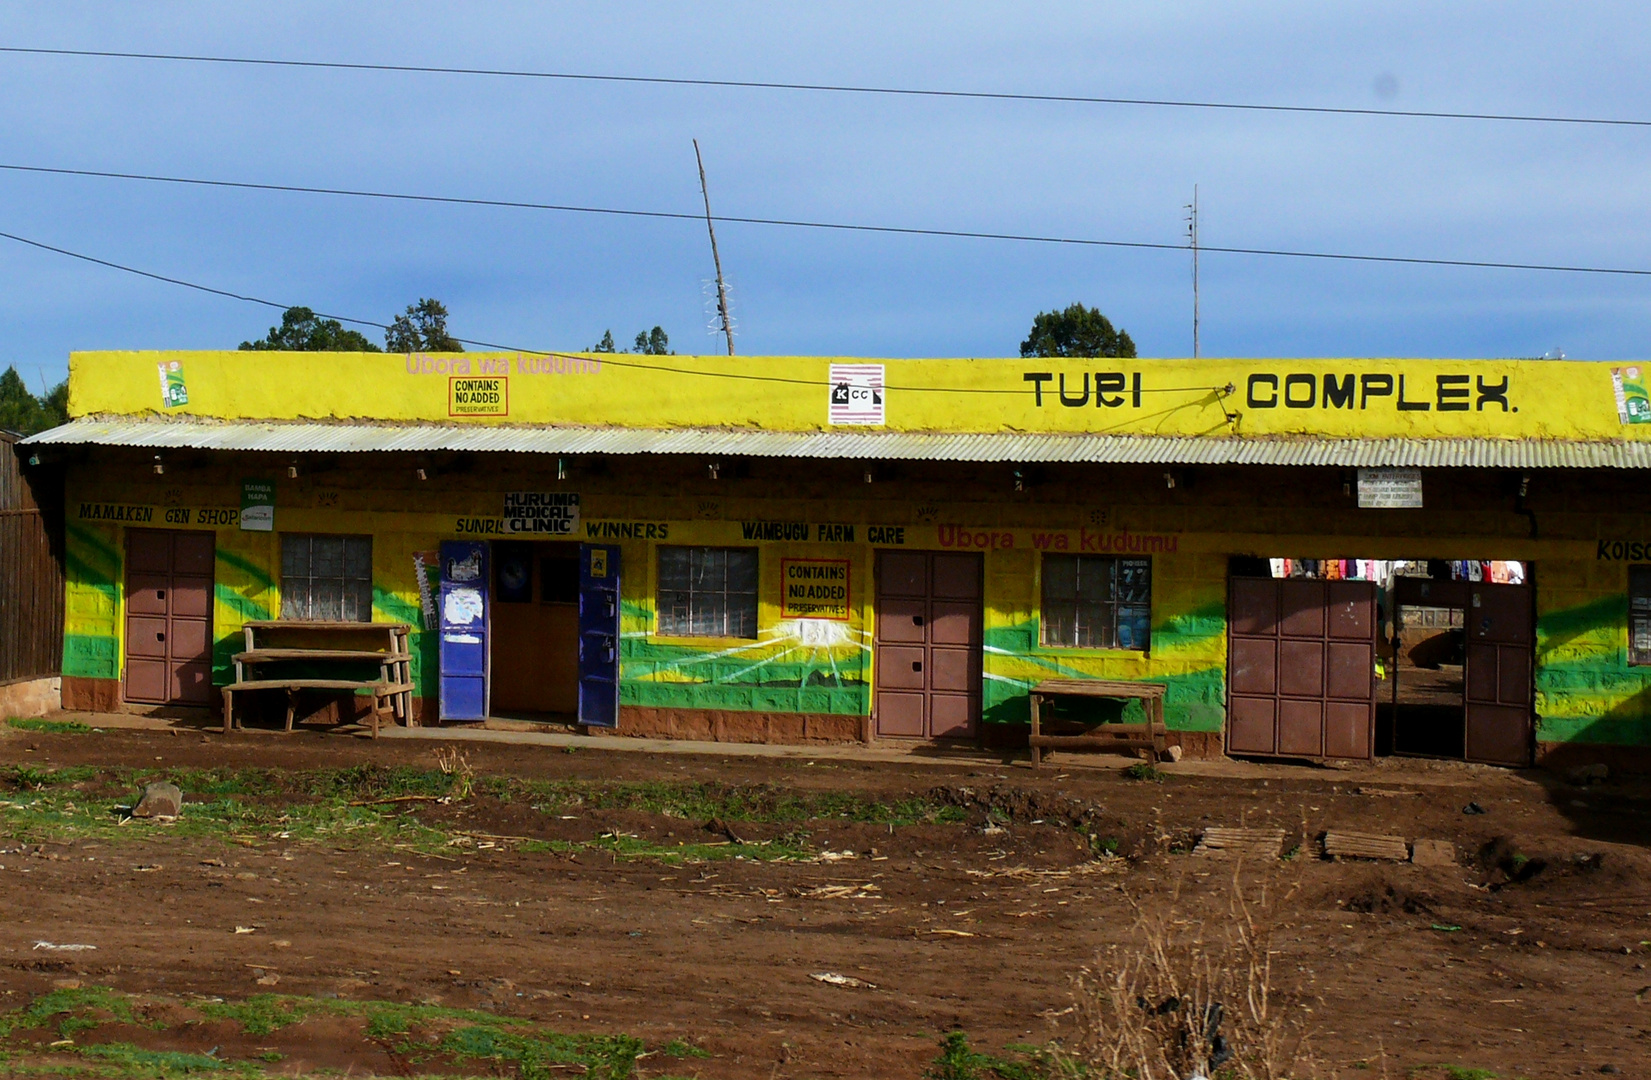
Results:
[1150, 736]
[282, 642]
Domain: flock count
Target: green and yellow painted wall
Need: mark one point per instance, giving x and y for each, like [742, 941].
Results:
[1587, 691]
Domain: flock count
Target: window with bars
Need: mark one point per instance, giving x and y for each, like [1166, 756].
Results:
[1639, 615]
[707, 592]
[326, 578]
[1094, 602]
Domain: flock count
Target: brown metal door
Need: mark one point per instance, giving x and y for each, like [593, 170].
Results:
[1301, 667]
[169, 617]
[928, 644]
[1500, 636]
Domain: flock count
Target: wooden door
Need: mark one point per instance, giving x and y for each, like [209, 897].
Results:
[928, 644]
[535, 632]
[1501, 631]
[1301, 667]
[169, 617]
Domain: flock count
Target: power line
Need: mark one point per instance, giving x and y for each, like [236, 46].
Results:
[897, 230]
[892, 91]
[605, 358]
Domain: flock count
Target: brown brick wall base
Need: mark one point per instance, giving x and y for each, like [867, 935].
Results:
[730, 725]
[91, 695]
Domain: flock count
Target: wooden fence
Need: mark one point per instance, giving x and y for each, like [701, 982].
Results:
[31, 567]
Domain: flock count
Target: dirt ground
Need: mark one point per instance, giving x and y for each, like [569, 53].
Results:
[1528, 959]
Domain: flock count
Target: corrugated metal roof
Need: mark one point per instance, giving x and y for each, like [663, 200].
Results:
[858, 445]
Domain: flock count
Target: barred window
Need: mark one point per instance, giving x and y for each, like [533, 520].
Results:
[1639, 615]
[326, 578]
[707, 592]
[1092, 602]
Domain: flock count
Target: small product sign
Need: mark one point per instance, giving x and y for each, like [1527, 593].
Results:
[257, 506]
[814, 589]
[467, 396]
[173, 391]
[857, 394]
[547, 513]
[1389, 489]
[1633, 401]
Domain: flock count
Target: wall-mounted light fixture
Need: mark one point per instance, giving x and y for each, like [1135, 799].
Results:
[1020, 480]
[160, 466]
[1169, 479]
[561, 469]
[420, 473]
[714, 468]
[868, 474]
[292, 471]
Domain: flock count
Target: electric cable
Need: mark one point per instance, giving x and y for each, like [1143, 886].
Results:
[897, 230]
[605, 358]
[834, 88]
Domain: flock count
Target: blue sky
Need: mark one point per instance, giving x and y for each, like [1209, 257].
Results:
[1434, 188]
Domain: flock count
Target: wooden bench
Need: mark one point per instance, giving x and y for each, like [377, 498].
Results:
[383, 693]
[1150, 736]
[284, 642]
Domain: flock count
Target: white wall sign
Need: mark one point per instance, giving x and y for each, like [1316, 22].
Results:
[857, 394]
[1383, 489]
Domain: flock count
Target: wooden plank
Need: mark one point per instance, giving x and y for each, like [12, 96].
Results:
[255, 656]
[316, 624]
[1101, 688]
[1342, 844]
[376, 685]
[1090, 742]
[1240, 842]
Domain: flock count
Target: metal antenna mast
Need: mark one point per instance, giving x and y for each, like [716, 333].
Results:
[722, 290]
[1192, 234]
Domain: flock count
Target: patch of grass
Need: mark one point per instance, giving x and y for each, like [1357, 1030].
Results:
[262, 1013]
[770, 803]
[73, 1011]
[958, 1061]
[518, 1047]
[676, 1048]
[49, 727]
[538, 1057]
[164, 1061]
[1144, 770]
[1459, 1072]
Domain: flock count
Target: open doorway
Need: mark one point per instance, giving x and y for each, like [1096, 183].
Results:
[1459, 653]
[535, 630]
[1452, 659]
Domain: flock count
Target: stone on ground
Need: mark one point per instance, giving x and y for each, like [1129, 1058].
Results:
[160, 800]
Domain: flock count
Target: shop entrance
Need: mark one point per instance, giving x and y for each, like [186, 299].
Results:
[169, 616]
[1460, 658]
[928, 645]
[535, 630]
[1430, 658]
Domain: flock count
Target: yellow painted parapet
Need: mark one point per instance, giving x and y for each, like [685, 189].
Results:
[1370, 398]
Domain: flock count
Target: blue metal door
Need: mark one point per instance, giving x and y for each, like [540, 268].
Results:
[464, 625]
[599, 635]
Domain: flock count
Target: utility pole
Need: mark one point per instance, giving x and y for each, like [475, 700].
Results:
[1192, 234]
[722, 290]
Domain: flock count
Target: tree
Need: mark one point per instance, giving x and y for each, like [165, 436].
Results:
[655, 342]
[1077, 331]
[652, 343]
[22, 412]
[302, 330]
[422, 328]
